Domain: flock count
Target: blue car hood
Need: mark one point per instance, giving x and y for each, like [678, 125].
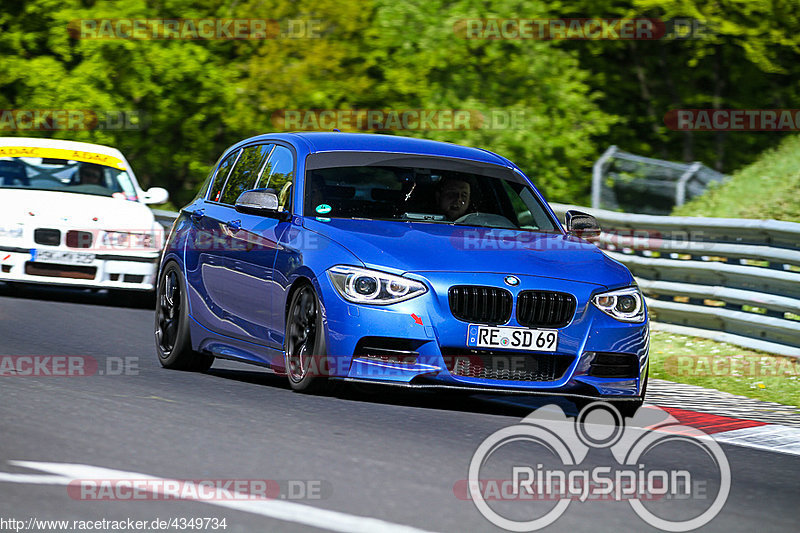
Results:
[427, 247]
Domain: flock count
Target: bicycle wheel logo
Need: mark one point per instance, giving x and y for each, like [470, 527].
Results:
[649, 458]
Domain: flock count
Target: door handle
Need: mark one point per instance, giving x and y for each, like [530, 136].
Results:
[235, 225]
[198, 214]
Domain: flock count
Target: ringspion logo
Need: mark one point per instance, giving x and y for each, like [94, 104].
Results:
[518, 472]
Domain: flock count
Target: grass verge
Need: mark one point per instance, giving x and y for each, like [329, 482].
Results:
[725, 367]
[765, 189]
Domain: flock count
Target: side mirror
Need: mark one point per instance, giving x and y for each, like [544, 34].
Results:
[155, 195]
[582, 225]
[262, 202]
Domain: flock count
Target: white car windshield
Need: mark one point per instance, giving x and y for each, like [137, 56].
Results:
[62, 175]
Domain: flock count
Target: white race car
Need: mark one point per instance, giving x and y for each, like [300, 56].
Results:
[73, 214]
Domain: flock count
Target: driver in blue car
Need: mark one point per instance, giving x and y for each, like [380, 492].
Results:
[453, 197]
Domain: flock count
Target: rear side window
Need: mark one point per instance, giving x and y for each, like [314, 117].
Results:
[222, 176]
[244, 174]
[207, 182]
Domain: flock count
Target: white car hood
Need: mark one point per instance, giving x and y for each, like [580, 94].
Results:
[79, 211]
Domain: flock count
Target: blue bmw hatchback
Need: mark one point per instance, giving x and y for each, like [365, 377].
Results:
[385, 259]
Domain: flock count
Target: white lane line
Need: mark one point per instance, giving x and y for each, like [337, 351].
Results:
[772, 437]
[10, 477]
[277, 509]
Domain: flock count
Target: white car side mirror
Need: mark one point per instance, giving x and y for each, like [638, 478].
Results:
[155, 195]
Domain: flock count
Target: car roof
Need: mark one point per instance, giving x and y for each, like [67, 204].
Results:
[33, 142]
[316, 142]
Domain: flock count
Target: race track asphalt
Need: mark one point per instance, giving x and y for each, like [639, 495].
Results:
[384, 455]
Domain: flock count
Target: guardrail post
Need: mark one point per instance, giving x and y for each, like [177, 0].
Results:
[597, 175]
[680, 193]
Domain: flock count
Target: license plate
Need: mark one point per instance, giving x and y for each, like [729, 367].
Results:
[534, 340]
[64, 258]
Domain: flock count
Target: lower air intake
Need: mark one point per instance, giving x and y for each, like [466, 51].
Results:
[614, 365]
[506, 366]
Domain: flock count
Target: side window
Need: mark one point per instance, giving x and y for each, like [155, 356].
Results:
[278, 175]
[206, 183]
[244, 174]
[124, 182]
[529, 213]
[222, 176]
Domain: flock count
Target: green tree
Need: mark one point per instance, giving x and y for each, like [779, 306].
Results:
[179, 89]
[746, 57]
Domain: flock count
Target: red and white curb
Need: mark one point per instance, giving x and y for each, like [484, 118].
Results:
[740, 432]
[736, 420]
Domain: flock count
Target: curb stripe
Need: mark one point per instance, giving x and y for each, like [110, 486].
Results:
[709, 423]
[770, 437]
[739, 432]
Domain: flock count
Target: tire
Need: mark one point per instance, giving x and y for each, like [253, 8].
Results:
[304, 345]
[135, 299]
[9, 288]
[173, 344]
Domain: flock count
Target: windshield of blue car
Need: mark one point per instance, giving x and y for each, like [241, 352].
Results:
[61, 175]
[425, 195]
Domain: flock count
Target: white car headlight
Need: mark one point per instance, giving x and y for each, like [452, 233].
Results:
[365, 286]
[11, 231]
[626, 305]
[124, 239]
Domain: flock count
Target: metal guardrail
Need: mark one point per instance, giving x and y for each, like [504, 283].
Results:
[621, 180]
[735, 280]
[736, 277]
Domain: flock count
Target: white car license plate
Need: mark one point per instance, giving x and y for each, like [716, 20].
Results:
[62, 257]
[535, 340]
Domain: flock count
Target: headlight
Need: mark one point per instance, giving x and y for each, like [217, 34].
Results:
[11, 231]
[364, 286]
[124, 239]
[626, 305]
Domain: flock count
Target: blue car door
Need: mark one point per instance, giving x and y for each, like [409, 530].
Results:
[203, 260]
[278, 175]
[248, 254]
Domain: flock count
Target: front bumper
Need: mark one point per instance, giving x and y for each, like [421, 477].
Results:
[430, 342]
[107, 271]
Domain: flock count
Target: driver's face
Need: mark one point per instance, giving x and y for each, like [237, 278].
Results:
[91, 176]
[454, 199]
